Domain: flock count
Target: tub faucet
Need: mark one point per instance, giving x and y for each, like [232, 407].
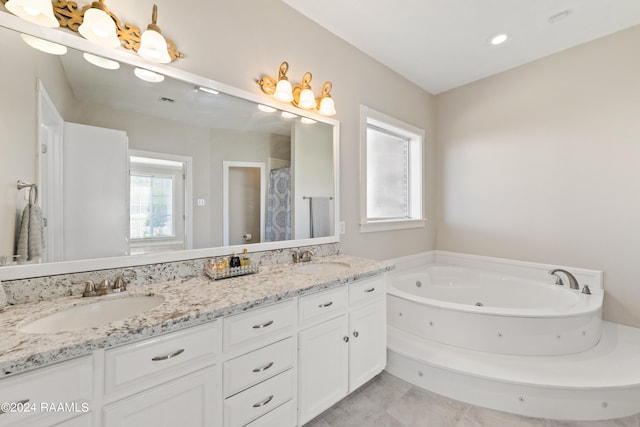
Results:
[573, 282]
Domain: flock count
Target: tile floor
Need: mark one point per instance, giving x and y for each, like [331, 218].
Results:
[387, 401]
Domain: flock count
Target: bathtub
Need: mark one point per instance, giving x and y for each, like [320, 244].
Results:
[492, 312]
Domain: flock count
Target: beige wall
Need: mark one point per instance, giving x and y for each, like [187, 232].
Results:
[235, 42]
[542, 163]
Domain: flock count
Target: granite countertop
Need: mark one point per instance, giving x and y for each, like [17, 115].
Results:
[188, 302]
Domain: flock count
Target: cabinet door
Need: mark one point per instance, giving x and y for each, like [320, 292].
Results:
[187, 402]
[368, 343]
[322, 367]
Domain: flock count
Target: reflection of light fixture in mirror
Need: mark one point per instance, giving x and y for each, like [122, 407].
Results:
[98, 26]
[101, 62]
[44, 45]
[266, 108]
[326, 106]
[208, 90]
[37, 11]
[288, 115]
[307, 121]
[148, 76]
[153, 46]
[303, 96]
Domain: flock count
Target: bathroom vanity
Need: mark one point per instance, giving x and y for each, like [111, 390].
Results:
[272, 349]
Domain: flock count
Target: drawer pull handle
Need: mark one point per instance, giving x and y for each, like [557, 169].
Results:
[14, 405]
[345, 339]
[326, 304]
[263, 325]
[370, 290]
[168, 356]
[264, 402]
[263, 368]
[355, 334]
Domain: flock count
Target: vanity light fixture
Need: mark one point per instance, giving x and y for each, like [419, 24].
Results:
[101, 62]
[326, 106]
[208, 90]
[300, 95]
[36, 11]
[153, 46]
[98, 26]
[266, 108]
[148, 75]
[44, 45]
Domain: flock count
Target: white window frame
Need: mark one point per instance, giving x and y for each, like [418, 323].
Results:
[369, 116]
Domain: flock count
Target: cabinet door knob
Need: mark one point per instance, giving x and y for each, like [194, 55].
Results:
[263, 367]
[345, 339]
[355, 334]
[264, 402]
[263, 325]
[326, 304]
[168, 356]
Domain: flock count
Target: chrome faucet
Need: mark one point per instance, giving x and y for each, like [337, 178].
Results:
[573, 282]
[302, 256]
[104, 288]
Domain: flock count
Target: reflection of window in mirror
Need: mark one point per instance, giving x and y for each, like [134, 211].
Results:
[392, 172]
[156, 204]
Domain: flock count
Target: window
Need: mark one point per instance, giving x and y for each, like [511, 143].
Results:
[151, 204]
[391, 193]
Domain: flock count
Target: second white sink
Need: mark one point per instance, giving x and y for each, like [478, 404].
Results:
[93, 314]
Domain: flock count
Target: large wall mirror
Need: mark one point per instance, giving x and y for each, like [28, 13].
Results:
[131, 171]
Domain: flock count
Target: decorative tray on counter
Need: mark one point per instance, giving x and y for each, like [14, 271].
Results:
[231, 272]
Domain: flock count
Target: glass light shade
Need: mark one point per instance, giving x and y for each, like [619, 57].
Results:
[284, 91]
[148, 76]
[153, 47]
[44, 45]
[37, 11]
[288, 115]
[266, 108]
[101, 62]
[98, 27]
[327, 107]
[307, 121]
[307, 99]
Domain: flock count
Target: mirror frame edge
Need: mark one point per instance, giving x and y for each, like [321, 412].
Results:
[26, 271]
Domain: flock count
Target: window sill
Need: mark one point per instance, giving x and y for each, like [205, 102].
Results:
[374, 226]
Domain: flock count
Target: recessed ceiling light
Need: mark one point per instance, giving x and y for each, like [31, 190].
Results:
[307, 121]
[288, 115]
[208, 90]
[148, 76]
[266, 108]
[44, 45]
[498, 39]
[101, 62]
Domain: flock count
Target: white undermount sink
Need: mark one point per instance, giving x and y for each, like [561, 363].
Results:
[322, 267]
[93, 314]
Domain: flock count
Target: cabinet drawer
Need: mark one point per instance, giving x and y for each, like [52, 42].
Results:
[258, 400]
[366, 291]
[258, 327]
[159, 359]
[65, 383]
[315, 308]
[282, 416]
[250, 369]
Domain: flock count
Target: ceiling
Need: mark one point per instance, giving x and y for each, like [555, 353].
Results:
[443, 44]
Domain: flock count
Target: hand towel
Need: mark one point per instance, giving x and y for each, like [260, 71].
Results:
[320, 209]
[31, 234]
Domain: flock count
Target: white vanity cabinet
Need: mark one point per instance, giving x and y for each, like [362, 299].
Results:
[172, 379]
[338, 355]
[48, 396]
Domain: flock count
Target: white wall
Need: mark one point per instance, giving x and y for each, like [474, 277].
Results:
[236, 42]
[542, 163]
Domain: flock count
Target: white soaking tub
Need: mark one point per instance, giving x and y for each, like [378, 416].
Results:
[493, 312]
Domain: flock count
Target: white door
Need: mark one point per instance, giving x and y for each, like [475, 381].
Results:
[243, 200]
[368, 343]
[323, 364]
[96, 192]
[187, 402]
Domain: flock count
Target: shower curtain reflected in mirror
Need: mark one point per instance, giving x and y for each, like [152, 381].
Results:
[278, 218]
